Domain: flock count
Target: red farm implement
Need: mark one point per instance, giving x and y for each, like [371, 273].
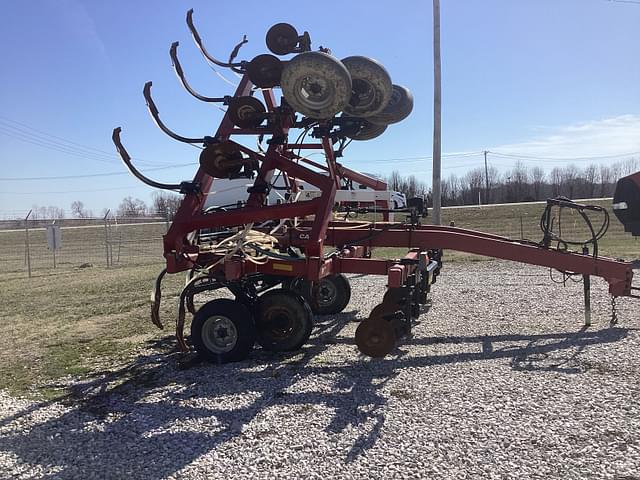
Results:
[285, 261]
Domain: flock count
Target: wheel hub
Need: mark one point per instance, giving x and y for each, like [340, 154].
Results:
[326, 293]
[219, 334]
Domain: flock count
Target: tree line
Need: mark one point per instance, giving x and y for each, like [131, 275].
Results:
[519, 184]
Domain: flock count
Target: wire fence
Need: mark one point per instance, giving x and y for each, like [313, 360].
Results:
[62, 244]
[110, 242]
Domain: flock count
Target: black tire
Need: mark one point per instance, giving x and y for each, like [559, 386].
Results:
[283, 320]
[282, 38]
[371, 86]
[399, 107]
[223, 331]
[265, 70]
[338, 298]
[361, 129]
[331, 295]
[246, 112]
[316, 85]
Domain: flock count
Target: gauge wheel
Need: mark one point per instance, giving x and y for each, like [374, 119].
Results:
[221, 160]
[371, 86]
[361, 129]
[283, 320]
[316, 85]
[246, 112]
[265, 71]
[223, 331]
[282, 38]
[399, 107]
[330, 295]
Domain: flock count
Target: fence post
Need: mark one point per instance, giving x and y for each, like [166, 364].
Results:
[106, 237]
[26, 242]
[521, 229]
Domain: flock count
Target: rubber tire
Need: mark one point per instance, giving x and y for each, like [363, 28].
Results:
[282, 38]
[241, 110]
[265, 71]
[305, 288]
[343, 295]
[333, 74]
[240, 315]
[299, 312]
[399, 107]
[367, 131]
[369, 74]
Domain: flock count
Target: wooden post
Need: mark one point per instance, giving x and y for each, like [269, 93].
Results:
[106, 236]
[437, 115]
[486, 179]
[26, 240]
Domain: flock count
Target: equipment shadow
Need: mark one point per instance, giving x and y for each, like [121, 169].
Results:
[114, 414]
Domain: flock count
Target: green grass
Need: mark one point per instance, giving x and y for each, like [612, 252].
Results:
[75, 322]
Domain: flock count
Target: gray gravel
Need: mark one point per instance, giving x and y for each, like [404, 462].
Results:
[498, 381]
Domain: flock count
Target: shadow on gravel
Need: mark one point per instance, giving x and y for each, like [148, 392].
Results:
[136, 422]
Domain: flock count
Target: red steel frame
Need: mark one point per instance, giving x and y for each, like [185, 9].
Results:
[353, 239]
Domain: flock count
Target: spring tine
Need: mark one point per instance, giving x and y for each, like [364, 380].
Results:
[155, 114]
[173, 53]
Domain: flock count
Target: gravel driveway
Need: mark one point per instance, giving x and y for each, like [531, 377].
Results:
[498, 381]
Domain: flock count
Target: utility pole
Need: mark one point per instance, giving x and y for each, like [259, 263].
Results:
[486, 178]
[437, 115]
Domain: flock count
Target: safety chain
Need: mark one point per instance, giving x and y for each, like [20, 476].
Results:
[614, 312]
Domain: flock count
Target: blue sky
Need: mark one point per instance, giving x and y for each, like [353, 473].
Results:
[543, 78]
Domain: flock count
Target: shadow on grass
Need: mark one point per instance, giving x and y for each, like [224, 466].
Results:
[125, 420]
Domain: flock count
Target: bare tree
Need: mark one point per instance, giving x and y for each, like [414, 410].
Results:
[494, 178]
[165, 204]
[520, 181]
[474, 183]
[394, 181]
[78, 210]
[570, 176]
[132, 207]
[606, 177]
[555, 178]
[537, 181]
[590, 178]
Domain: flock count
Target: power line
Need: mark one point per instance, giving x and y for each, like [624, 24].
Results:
[560, 159]
[28, 134]
[635, 2]
[75, 191]
[91, 175]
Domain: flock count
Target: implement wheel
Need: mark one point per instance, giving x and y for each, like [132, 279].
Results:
[246, 112]
[222, 331]
[283, 320]
[316, 85]
[265, 70]
[331, 295]
[282, 38]
[371, 86]
[360, 128]
[398, 108]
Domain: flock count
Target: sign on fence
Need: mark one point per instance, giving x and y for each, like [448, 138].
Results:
[54, 237]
